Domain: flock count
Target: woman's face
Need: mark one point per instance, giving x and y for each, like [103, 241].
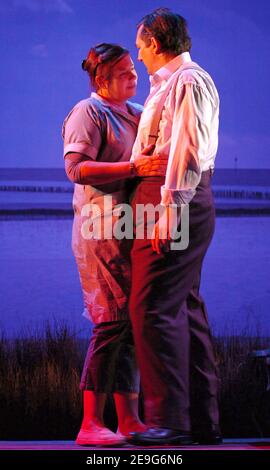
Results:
[123, 81]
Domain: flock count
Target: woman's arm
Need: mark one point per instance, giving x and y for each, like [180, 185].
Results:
[81, 170]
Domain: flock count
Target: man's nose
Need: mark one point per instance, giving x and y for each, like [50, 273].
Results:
[133, 75]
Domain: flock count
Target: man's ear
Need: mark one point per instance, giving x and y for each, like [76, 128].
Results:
[156, 45]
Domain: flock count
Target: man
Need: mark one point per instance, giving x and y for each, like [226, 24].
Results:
[171, 332]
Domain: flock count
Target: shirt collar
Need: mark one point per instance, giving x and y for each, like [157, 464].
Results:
[130, 113]
[105, 102]
[164, 73]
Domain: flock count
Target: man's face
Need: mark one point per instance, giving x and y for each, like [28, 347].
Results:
[145, 53]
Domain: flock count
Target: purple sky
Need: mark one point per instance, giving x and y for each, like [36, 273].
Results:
[44, 41]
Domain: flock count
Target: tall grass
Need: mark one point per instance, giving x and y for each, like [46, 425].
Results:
[244, 399]
[40, 397]
[39, 376]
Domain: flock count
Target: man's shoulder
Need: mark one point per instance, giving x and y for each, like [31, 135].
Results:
[193, 74]
[190, 73]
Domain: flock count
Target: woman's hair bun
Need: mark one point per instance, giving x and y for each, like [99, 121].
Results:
[100, 56]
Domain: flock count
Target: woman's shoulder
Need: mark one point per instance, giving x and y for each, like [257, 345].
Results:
[97, 106]
[89, 104]
[136, 108]
[85, 109]
[84, 115]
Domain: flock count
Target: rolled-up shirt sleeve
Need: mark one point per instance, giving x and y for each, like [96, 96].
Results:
[189, 140]
[81, 131]
[73, 164]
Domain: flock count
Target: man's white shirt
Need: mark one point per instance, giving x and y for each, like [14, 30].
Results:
[188, 129]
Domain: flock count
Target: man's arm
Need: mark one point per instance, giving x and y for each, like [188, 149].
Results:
[189, 140]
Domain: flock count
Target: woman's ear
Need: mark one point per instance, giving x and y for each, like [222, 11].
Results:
[101, 82]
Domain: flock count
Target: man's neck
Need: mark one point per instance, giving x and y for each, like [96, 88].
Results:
[162, 60]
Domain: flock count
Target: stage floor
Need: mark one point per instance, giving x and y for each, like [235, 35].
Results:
[228, 444]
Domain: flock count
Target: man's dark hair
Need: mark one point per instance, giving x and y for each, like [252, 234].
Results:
[169, 28]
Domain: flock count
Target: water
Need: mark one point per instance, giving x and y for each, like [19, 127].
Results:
[39, 279]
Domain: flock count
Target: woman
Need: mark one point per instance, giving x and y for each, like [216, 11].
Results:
[98, 137]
